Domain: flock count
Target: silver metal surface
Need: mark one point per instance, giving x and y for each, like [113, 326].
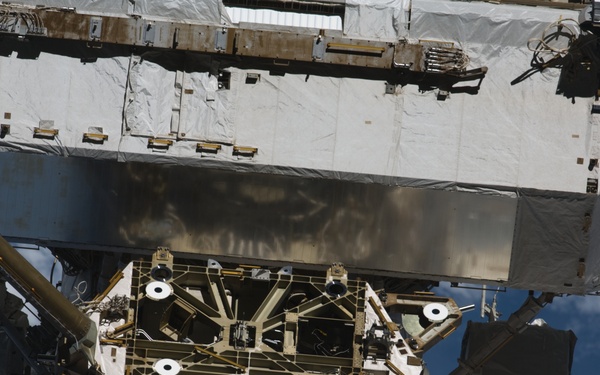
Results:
[95, 28]
[221, 39]
[596, 12]
[319, 47]
[149, 33]
[98, 204]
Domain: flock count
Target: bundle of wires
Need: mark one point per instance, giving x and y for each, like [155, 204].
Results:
[563, 44]
[555, 32]
[9, 18]
[443, 60]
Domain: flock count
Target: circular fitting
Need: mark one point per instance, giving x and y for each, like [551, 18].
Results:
[157, 290]
[414, 345]
[166, 366]
[435, 312]
[336, 289]
[161, 273]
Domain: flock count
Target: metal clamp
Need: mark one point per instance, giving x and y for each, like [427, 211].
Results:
[149, 33]
[221, 39]
[212, 148]
[319, 48]
[245, 151]
[95, 137]
[45, 133]
[159, 143]
[95, 28]
[4, 130]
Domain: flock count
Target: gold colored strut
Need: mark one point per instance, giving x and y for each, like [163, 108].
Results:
[220, 358]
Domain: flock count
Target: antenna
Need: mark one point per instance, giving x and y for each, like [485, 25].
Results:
[483, 289]
[490, 311]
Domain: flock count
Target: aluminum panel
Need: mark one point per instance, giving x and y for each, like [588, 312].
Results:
[552, 241]
[592, 274]
[99, 204]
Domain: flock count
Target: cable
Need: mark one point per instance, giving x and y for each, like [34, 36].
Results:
[319, 347]
[143, 333]
[79, 292]
[52, 269]
[577, 50]
[573, 32]
[443, 60]
[9, 19]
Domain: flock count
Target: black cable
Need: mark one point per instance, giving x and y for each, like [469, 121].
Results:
[52, 270]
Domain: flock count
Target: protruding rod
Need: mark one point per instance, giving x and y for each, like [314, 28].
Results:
[41, 294]
[483, 301]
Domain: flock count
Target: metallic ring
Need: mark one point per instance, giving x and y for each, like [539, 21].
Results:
[336, 289]
[166, 366]
[435, 312]
[157, 290]
[161, 273]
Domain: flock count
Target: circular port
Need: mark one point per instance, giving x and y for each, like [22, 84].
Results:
[161, 273]
[166, 366]
[157, 290]
[435, 312]
[336, 289]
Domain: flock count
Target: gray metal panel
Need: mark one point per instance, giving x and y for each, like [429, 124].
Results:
[552, 242]
[592, 262]
[401, 230]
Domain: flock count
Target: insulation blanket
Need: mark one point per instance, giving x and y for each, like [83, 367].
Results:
[189, 105]
[205, 11]
[383, 19]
